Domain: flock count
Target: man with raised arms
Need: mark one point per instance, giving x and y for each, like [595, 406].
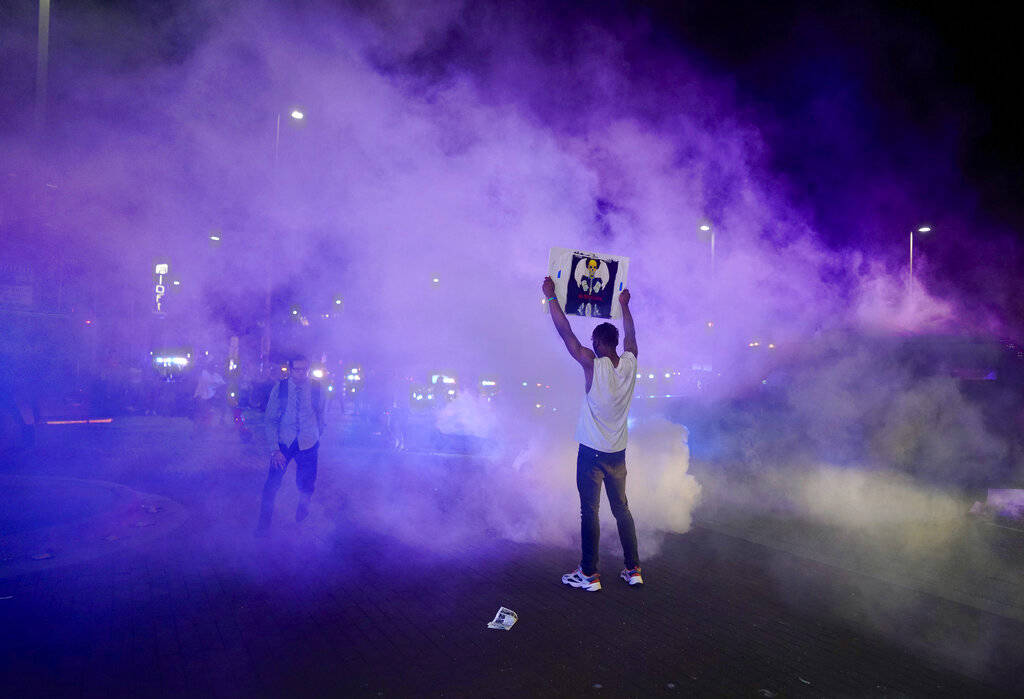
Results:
[602, 434]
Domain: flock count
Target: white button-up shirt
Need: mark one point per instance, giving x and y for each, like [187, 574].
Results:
[298, 420]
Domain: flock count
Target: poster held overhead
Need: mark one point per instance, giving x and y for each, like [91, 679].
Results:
[588, 283]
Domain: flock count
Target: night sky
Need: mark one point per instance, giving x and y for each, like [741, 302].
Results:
[880, 107]
[867, 110]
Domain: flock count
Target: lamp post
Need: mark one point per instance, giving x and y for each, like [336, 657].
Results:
[42, 64]
[910, 283]
[296, 115]
[705, 230]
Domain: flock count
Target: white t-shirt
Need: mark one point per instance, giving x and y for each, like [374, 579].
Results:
[602, 423]
[206, 388]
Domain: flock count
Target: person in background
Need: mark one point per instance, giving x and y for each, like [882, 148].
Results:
[294, 423]
[206, 391]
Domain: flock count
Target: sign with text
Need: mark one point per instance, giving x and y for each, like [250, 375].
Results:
[588, 283]
[160, 270]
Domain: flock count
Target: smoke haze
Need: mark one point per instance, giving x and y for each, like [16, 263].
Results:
[459, 142]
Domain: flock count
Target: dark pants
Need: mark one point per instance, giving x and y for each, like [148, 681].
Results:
[305, 476]
[592, 468]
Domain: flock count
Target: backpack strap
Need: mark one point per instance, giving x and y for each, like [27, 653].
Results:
[314, 396]
[282, 398]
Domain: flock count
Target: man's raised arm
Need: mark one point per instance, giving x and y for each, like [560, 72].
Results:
[580, 353]
[629, 339]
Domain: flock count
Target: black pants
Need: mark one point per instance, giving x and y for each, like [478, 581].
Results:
[594, 467]
[305, 476]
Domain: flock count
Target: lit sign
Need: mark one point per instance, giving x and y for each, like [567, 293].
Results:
[159, 270]
[171, 361]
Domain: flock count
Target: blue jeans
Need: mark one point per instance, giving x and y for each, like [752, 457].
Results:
[594, 467]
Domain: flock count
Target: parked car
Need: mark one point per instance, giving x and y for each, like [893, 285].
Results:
[946, 409]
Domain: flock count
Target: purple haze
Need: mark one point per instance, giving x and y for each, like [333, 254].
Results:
[456, 141]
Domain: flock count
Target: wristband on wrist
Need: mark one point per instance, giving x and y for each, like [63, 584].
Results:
[552, 298]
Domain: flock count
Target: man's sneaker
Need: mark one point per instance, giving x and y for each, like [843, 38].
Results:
[632, 576]
[590, 583]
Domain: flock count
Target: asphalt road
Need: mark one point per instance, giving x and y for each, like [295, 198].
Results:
[144, 579]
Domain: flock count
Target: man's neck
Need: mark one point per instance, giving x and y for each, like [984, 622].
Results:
[612, 356]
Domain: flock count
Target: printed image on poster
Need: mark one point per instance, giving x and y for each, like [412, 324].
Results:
[588, 284]
[589, 292]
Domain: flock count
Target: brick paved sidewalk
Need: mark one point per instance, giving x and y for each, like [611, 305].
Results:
[47, 522]
[329, 608]
[309, 617]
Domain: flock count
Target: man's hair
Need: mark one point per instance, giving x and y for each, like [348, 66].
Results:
[606, 334]
[297, 358]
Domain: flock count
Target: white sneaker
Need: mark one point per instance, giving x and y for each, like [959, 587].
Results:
[632, 576]
[590, 583]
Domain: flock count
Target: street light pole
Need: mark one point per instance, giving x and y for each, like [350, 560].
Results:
[267, 314]
[706, 228]
[42, 64]
[910, 283]
[297, 115]
[277, 141]
[712, 260]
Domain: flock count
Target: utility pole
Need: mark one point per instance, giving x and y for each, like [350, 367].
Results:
[42, 65]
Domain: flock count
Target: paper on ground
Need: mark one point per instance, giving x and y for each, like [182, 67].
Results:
[504, 619]
[588, 283]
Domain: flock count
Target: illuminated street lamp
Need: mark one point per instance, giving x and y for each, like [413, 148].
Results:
[708, 233]
[922, 230]
[705, 231]
[296, 115]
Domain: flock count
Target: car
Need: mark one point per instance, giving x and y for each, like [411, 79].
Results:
[944, 408]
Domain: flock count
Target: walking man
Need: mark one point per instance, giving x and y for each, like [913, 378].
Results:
[602, 434]
[207, 388]
[294, 422]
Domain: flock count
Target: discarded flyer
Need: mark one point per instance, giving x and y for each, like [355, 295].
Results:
[504, 619]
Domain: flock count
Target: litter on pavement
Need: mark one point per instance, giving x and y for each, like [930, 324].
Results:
[504, 619]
